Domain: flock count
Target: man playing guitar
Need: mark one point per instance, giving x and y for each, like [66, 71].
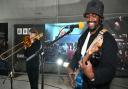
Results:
[95, 55]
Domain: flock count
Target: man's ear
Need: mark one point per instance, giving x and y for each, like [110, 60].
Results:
[101, 20]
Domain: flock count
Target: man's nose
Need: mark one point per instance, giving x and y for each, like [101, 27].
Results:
[91, 19]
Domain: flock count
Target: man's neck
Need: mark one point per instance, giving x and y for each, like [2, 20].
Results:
[93, 32]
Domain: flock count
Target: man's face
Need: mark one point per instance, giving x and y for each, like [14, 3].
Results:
[93, 21]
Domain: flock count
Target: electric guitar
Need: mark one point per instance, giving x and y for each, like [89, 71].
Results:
[94, 47]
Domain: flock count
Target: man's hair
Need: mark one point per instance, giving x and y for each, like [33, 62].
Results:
[33, 30]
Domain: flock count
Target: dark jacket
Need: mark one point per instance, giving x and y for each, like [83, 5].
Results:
[32, 50]
[104, 61]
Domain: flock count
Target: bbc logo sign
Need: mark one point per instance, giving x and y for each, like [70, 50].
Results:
[23, 31]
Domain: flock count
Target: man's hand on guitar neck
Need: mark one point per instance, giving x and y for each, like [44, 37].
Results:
[87, 69]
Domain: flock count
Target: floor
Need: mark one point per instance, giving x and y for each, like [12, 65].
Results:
[52, 81]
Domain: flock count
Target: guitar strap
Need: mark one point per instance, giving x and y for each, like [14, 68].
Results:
[103, 31]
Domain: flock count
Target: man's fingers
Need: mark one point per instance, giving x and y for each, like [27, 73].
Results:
[88, 62]
[80, 63]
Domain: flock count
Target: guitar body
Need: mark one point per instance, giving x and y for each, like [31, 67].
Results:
[79, 80]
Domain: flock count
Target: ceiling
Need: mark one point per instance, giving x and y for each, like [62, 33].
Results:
[66, 10]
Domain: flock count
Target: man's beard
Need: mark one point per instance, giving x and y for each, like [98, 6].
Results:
[92, 26]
